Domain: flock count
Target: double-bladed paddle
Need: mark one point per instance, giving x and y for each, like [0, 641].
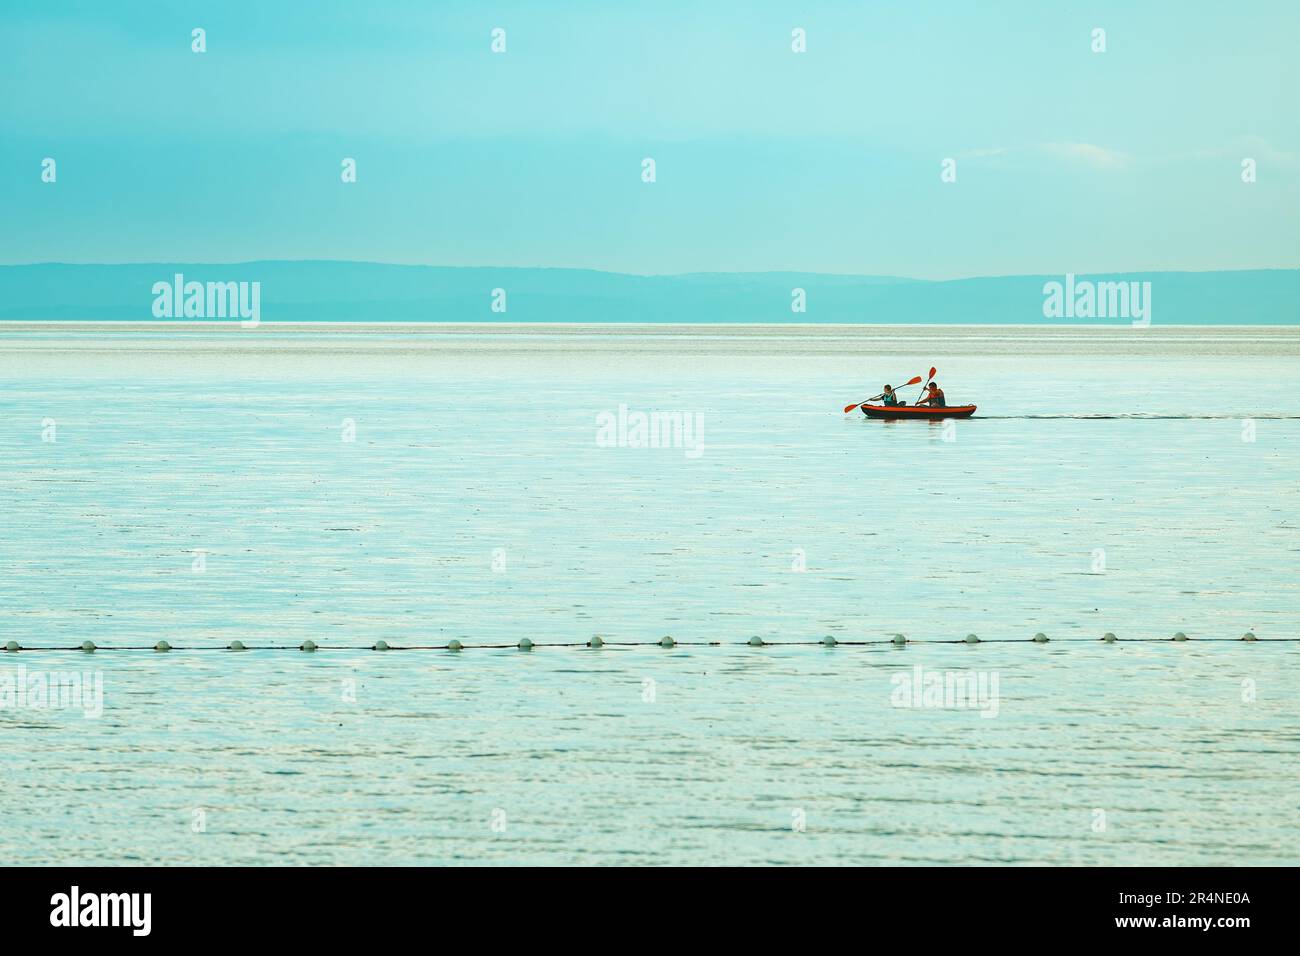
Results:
[849, 408]
[926, 385]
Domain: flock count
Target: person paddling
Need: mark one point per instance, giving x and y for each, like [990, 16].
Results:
[934, 398]
[889, 396]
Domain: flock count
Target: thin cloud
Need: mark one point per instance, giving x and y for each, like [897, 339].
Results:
[1096, 156]
[1087, 154]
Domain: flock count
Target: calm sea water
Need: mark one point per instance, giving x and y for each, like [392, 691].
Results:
[274, 487]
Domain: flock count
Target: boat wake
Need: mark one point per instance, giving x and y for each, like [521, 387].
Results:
[1140, 415]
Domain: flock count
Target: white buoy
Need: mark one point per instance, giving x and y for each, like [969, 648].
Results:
[595, 641]
[307, 645]
[12, 647]
[899, 639]
[972, 639]
[829, 641]
[380, 646]
[162, 646]
[88, 646]
[667, 641]
[1109, 638]
[1180, 636]
[525, 644]
[237, 646]
[1041, 638]
[755, 641]
[454, 645]
[1248, 636]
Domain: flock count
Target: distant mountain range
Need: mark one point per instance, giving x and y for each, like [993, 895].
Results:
[322, 291]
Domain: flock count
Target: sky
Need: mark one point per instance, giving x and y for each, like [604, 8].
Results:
[830, 160]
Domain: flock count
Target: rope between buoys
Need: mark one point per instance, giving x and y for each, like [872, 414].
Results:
[896, 641]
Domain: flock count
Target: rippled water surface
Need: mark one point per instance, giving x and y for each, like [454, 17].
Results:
[198, 489]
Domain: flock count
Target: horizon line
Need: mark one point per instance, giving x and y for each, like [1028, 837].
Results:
[653, 275]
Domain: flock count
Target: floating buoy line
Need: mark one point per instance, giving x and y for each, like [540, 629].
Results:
[597, 642]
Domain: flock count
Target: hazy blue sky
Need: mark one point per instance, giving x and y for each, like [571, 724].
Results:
[1067, 160]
